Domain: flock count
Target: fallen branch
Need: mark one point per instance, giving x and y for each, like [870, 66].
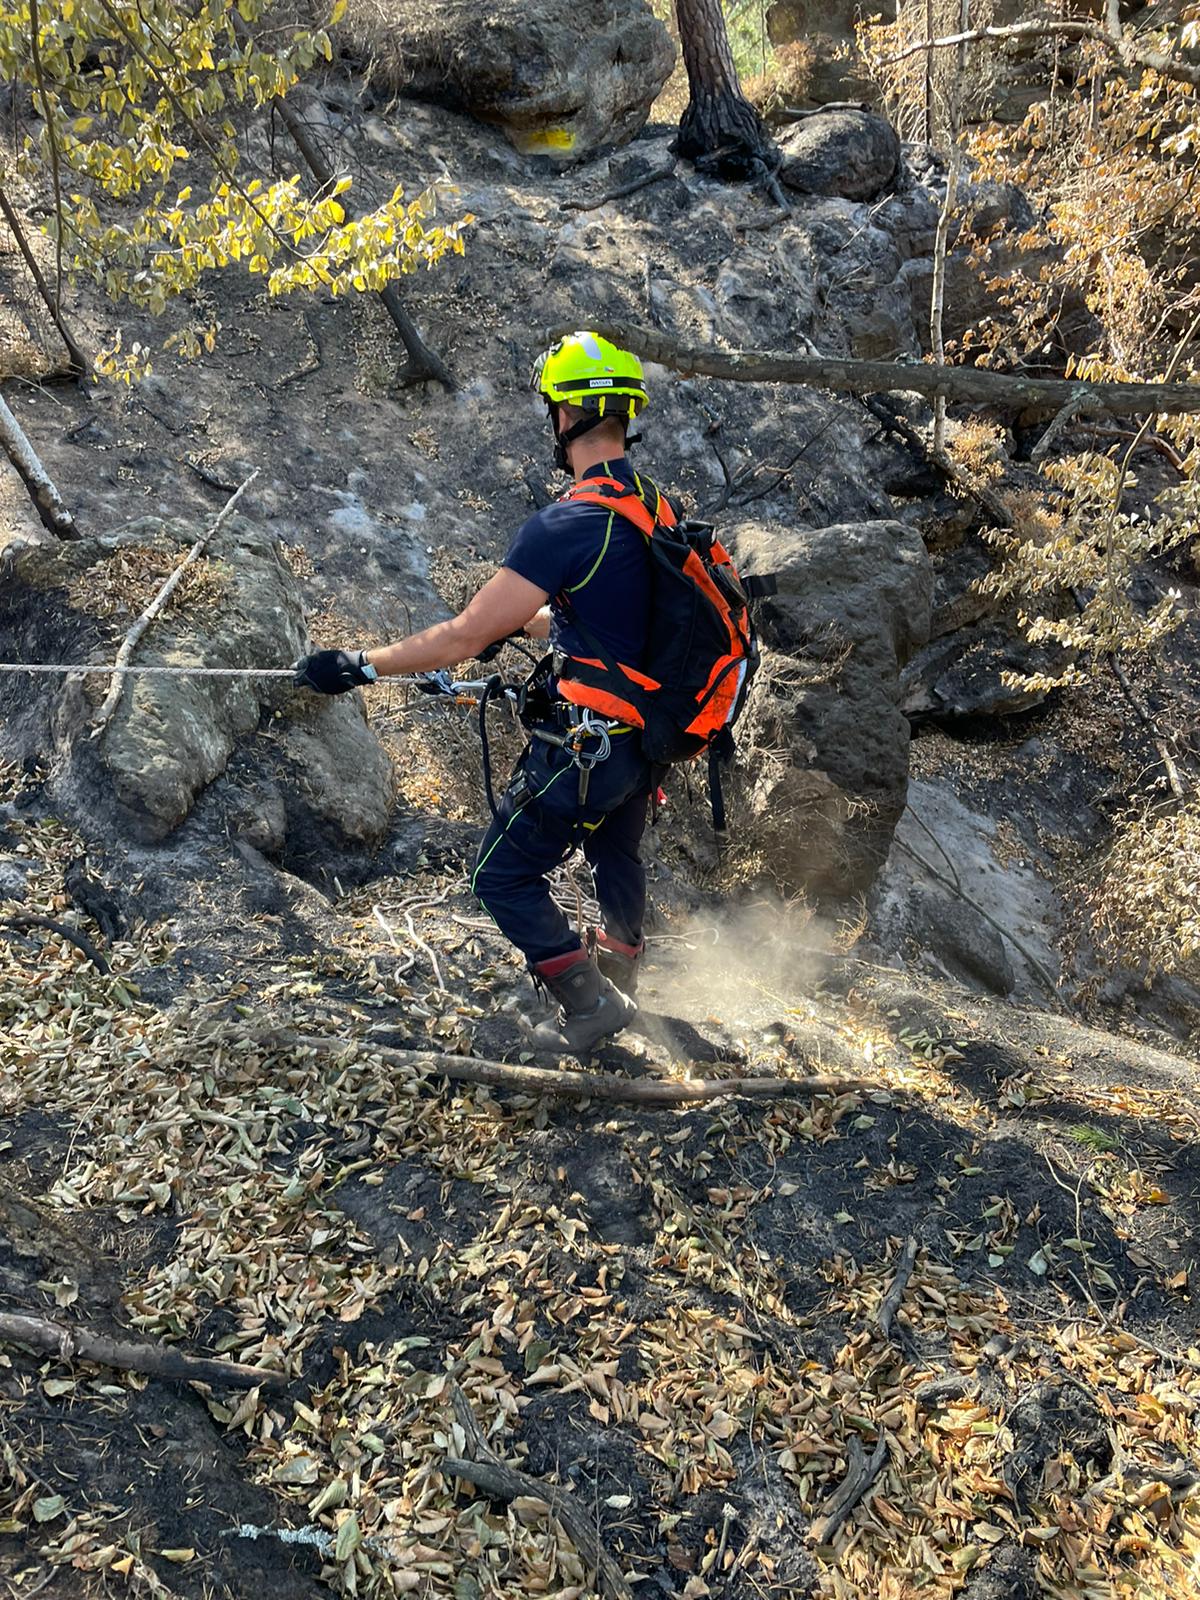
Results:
[591, 1085]
[621, 190]
[1056, 429]
[986, 499]
[67, 1343]
[496, 1478]
[206, 476]
[1122, 47]
[1150, 441]
[861, 1473]
[30, 919]
[422, 363]
[890, 1303]
[970, 385]
[124, 655]
[51, 507]
[801, 114]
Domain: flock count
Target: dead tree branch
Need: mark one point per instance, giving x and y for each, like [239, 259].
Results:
[1056, 429]
[497, 1479]
[30, 919]
[125, 654]
[861, 1473]
[68, 1343]
[422, 363]
[79, 364]
[890, 1303]
[606, 1086]
[621, 190]
[43, 491]
[968, 385]
[1124, 50]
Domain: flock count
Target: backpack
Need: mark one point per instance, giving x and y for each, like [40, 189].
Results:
[701, 654]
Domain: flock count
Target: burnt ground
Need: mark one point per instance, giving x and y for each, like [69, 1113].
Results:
[673, 1314]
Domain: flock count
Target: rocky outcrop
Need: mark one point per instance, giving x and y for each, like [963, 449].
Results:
[556, 88]
[956, 897]
[171, 738]
[826, 769]
[851, 153]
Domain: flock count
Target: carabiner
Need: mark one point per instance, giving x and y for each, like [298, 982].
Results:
[589, 728]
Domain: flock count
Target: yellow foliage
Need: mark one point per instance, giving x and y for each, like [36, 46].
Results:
[127, 93]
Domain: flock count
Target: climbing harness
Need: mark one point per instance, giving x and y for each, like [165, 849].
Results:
[575, 742]
[585, 737]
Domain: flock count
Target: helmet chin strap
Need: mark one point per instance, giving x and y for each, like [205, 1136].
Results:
[577, 430]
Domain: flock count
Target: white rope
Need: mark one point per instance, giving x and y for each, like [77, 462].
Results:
[179, 672]
[140, 672]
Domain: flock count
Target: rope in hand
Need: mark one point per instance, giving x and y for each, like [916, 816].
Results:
[439, 685]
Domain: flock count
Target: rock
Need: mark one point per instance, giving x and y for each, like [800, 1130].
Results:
[962, 940]
[556, 86]
[826, 27]
[948, 865]
[172, 737]
[257, 814]
[963, 674]
[851, 153]
[910, 220]
[827, 750]
[883, 329]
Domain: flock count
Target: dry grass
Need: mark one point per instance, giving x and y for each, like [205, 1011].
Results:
[124, 583]
[786, 80]
[1146, 905]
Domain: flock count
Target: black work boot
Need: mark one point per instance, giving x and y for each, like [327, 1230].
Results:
[620, 963]
[589, 1008]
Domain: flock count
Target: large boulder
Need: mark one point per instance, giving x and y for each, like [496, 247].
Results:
[170, 738]
[558, 81]
[969, 897]
[825, 773]
[841, 151]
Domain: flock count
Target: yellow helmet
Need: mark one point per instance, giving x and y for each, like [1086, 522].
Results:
[587, 371]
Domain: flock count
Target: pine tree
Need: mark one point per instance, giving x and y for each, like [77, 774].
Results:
[720, 128]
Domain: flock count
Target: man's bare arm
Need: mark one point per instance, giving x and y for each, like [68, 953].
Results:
[505, 604]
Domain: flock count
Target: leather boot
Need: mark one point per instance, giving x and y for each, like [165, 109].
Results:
[620, 963]
[589, 1007]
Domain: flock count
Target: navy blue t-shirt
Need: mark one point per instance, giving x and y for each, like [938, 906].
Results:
[600, 560]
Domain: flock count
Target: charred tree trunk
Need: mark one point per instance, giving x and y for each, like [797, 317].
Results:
[720, 130]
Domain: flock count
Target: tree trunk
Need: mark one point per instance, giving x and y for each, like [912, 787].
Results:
[41, 486]
[963, 385]
[942, 239]
[80, 366]
[422, 363]
[720, 130]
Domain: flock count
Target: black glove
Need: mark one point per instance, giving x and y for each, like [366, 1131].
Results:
[491, 651]
[334, 671]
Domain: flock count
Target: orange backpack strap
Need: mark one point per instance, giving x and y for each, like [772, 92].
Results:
[632, 504]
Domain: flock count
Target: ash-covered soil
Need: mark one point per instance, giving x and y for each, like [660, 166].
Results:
[673, 1315]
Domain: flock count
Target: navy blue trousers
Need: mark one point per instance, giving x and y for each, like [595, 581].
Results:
[541, 822]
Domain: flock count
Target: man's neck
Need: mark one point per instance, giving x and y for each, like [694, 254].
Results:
[584, 461]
